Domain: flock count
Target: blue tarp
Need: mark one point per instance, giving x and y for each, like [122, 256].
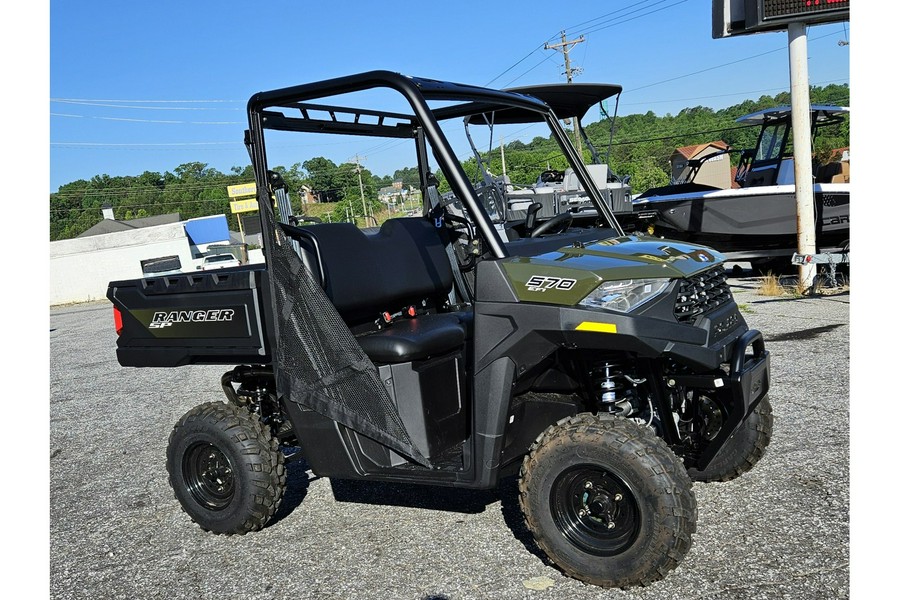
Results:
[206, 230]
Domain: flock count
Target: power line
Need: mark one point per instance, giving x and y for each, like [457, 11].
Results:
[682, 135]
[520, 61]
[575, 27]
[150, 144]
[728, 64]
[621, 20]
[387, 145]
[124, 191]
[173, 145]
[779, 89]
[134, 104]
[541, 46]
[511, 81]
[133, 206]
[144, 101]
[160, 121]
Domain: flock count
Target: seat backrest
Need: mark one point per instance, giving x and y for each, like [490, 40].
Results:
[600, 174]
[363, 275]
[826, 173]
[570, 181]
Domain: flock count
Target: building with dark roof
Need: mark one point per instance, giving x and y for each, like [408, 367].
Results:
[112, 225]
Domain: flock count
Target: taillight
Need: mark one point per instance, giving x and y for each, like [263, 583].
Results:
[118, 318]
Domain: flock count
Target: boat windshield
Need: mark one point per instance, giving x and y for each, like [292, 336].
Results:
[517, 166]
[771, 142]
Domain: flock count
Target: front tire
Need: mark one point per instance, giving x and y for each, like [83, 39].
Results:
[743, 449]
[607, 501]
[225, 468]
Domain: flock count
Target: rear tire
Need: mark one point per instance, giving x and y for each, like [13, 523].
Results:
[607, 501]
[744, 448]
[225, 468]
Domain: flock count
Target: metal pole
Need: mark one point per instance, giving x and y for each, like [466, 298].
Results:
[362, 193]
[803, 176]
[350, 203]
[570, 72]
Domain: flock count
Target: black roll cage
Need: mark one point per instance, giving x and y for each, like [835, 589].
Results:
[263, 113]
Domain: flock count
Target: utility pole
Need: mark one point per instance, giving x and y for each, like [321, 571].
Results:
[351, 218]
[570, 73]
[362, 192]
[803, 175]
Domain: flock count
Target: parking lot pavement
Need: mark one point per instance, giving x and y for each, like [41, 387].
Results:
[116, 530]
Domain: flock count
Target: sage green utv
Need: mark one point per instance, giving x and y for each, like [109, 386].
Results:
[456, 345]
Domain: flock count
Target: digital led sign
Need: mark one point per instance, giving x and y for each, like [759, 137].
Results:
[741, 17]
[781, 9]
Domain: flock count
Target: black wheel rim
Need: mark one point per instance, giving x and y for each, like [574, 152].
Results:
[595, 510]
[208, 475]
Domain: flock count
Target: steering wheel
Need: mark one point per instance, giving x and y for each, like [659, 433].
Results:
[551, 176]
[557, 224]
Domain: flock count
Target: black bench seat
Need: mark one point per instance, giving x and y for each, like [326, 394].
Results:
[414, 339]
[403, 264]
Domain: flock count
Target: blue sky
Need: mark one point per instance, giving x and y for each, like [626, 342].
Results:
[140, 87]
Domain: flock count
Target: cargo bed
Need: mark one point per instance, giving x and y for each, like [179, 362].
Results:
[214, 317]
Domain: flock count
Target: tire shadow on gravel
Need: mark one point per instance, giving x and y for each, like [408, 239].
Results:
[412, 495]
[515, 520]
[416, 496]
[296, 488]
[444, 499]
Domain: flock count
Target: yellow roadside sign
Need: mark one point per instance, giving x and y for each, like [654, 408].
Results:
[242, 206]
[240, 190]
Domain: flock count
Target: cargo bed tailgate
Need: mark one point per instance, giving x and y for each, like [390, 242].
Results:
[215, 317]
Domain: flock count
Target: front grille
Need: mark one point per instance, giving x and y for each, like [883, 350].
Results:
[702, 293]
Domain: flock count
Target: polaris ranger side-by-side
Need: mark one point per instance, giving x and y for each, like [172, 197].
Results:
[606, 371]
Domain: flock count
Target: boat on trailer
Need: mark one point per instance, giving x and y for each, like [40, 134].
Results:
[756, 220]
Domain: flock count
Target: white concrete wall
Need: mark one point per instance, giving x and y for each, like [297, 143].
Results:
[81, 268]
[255, 256]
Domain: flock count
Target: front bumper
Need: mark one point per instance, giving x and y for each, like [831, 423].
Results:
[739, 390]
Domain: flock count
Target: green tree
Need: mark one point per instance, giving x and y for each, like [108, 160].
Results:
[642, 145]
[321, 175]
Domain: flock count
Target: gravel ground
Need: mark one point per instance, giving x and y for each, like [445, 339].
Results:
[116, 530]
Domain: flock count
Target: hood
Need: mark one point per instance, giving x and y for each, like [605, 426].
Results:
[581, 268]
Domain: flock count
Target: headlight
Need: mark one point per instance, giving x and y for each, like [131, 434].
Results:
[625, 295]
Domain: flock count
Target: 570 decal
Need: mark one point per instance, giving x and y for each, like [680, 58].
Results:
[542, 283]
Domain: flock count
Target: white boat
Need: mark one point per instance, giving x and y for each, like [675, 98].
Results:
[757, 219]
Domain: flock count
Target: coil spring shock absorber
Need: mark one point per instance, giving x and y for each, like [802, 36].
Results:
[611, 383]
[608, 381]
[615, 389]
